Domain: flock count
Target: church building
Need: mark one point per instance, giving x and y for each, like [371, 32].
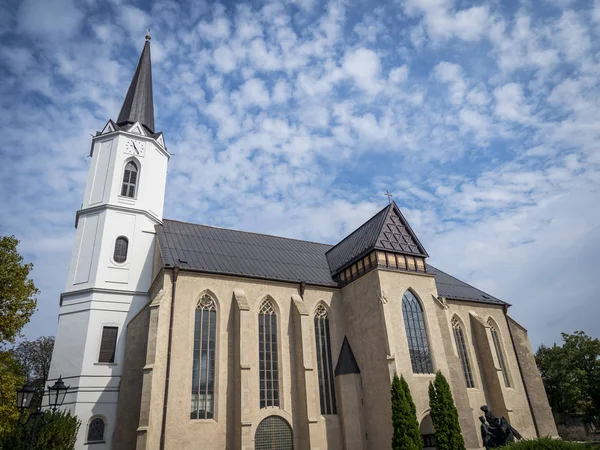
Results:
[176, 335]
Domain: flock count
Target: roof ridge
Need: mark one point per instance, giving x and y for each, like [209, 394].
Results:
[248, 232]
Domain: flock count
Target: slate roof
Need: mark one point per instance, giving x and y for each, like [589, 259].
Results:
[138, 105]
[386, 230]
[219, 250]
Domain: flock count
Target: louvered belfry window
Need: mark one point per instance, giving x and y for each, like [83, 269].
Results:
[267, 355]
[418, 344]
[203, 366]
[130, 178]
[324, 363]
[461, 345]
[121, 246]
[108, 344]
[499, 353]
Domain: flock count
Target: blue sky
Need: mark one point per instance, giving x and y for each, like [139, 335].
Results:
[293, 119]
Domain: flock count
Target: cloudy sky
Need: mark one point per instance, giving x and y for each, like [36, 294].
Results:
[482, 119]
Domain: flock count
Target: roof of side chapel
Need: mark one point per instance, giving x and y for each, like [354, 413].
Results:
[217, 250]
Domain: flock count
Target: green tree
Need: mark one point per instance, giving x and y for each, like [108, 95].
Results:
[56, 431]
[17, 291]
[444, 415]
[35, 357]
[571, 376]
[11, 378]
[404, 420]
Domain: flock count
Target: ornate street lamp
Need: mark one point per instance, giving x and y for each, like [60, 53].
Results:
[57, 394]
[56, 397]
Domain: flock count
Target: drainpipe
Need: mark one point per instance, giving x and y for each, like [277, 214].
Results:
[512, 340]
[170, 344]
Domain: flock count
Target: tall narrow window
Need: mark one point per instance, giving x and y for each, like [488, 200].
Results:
[203, 365]
[324, 364]
[461, 345]
[418, 345]
[108, 344]
[121, 245]
[130, 177]
[267, 355]
[499, 353]
[96, 430]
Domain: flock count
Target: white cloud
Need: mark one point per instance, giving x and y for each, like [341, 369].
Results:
[49, 19]
[511, 104]
[363, 66]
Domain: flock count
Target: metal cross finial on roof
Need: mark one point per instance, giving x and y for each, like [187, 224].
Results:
[389, 196]
[148, 37]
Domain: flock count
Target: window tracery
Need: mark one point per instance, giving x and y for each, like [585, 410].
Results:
[203, 365]
[499, 352]
[416, 333]
[324, 361]
[267, 355]
[461, 345]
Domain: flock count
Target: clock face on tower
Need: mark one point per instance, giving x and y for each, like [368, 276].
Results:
[135, 147]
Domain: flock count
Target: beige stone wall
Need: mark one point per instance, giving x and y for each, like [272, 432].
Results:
[183, 432]
[368, 311]
[497, 396]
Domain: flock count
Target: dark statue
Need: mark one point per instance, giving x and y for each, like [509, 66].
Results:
[496, 432]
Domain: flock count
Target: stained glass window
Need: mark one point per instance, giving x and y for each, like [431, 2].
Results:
[461, 345]
[203, 365]
[418, 345]
[96, 430]
[121, 245]
[499, 353]
[324, 363]
[130, 178]
[273, 433]
[267, 355]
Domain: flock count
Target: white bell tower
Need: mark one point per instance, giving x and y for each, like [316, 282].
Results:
[111, 265]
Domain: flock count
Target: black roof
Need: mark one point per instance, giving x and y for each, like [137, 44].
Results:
[139, 103]
[346, 362]
[387, 230]
[211, 249]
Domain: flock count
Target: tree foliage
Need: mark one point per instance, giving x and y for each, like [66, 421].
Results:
[404, 419]
[11, 378]
[17, 291]
[35, 357]
[56, 431]
[444, 415]
[571, 376]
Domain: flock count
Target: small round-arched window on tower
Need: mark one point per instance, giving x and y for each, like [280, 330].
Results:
[121, 247]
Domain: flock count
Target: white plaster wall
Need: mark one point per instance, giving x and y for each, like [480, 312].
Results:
[99, 291]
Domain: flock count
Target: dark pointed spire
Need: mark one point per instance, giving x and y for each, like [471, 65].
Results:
[346, 361]
[139, 105]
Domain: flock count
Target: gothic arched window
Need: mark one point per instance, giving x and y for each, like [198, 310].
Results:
[203, 365]
[414, 323]
[499, 353]
[96, 430]
[121, 246]
[324, 363]
[130, 179]
[267, 355]
[461, 345]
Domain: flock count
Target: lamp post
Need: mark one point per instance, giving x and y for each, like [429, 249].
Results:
[56, 397]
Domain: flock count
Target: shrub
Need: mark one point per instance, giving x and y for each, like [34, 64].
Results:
[444, 415]
[57, 432]
[547, 444]
[404, 419]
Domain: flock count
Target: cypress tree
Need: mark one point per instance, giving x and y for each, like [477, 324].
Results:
[444, 415]
[404, 420]
[413, 425]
